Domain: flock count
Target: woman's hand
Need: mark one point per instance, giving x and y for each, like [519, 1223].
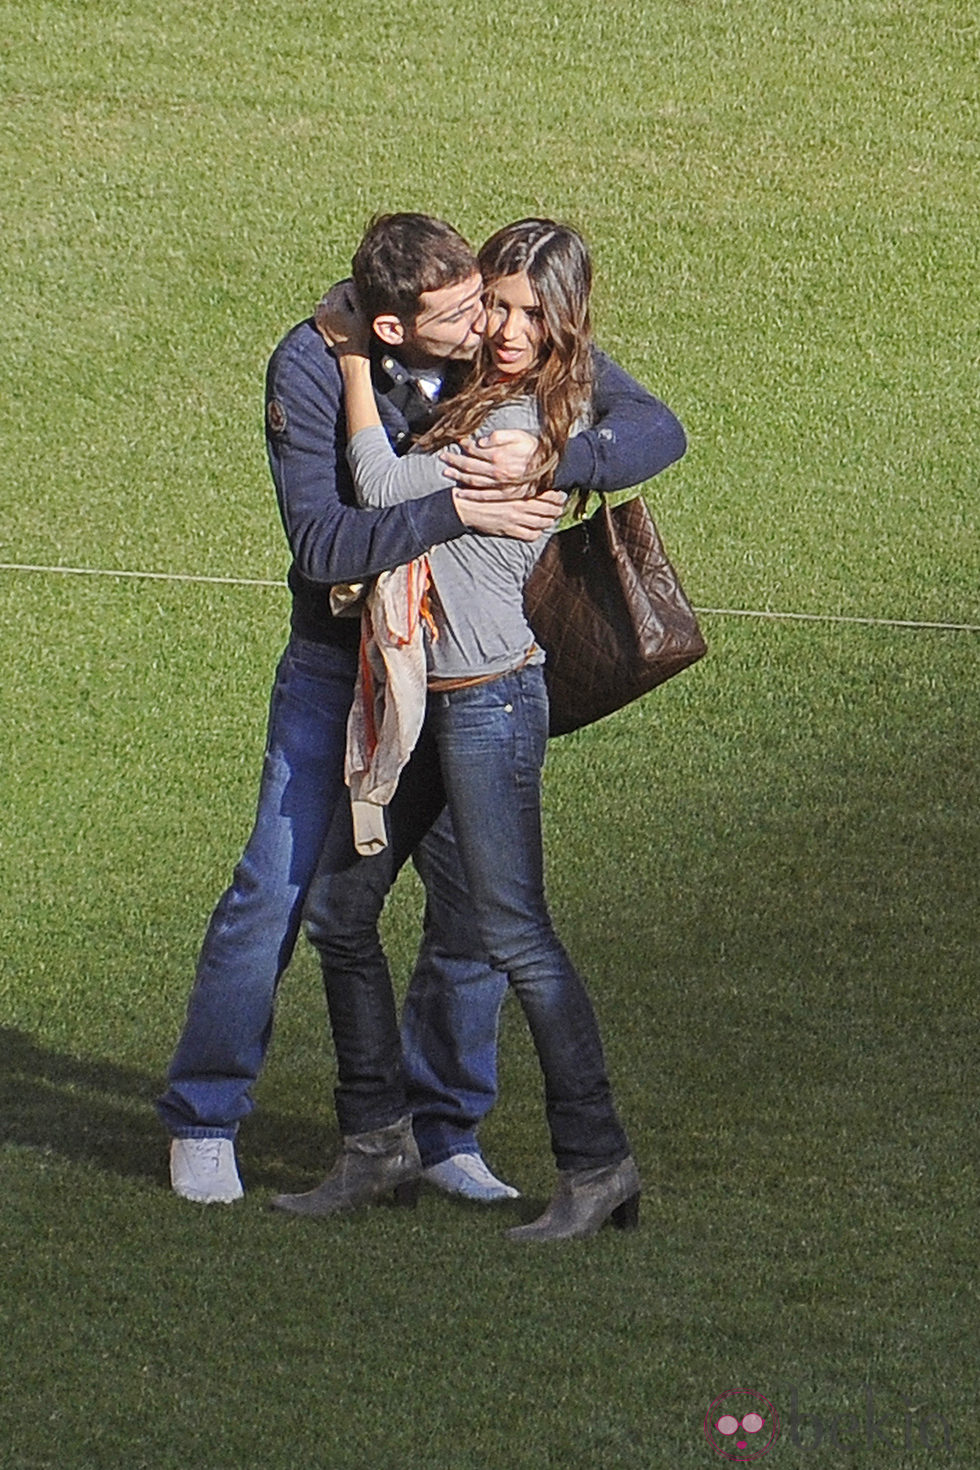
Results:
[341, 322]
[347, 332]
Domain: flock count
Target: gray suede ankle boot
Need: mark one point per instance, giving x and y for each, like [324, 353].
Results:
[369, 1166]
[584, 1200]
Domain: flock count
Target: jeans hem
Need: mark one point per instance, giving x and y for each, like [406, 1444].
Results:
[202, 1132]
[442, 1155]
[571, 1163]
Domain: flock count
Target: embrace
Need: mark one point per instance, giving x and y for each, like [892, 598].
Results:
[423, 431]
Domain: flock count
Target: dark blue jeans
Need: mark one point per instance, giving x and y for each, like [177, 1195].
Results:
[253, 931]
[483, 749]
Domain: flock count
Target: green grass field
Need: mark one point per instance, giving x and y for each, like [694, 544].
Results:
[767, 869]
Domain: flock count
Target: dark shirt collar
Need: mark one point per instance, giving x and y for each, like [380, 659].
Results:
[399, 385]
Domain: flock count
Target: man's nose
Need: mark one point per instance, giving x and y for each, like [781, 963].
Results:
[480, 320]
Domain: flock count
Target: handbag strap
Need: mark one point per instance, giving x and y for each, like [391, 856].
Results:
[582, 500]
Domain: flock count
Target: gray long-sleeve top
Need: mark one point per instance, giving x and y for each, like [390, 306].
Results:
[478, 580]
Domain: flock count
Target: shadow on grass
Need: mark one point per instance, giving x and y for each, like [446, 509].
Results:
[100, 1113]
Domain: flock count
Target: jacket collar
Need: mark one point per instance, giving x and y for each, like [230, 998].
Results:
[398, 385]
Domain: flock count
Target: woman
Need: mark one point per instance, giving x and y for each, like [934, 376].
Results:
[481, 749]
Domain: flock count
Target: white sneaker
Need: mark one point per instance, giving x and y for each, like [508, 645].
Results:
[204, 1170]
[468, 1176]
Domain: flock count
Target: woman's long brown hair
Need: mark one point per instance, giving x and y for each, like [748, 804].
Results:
[557, 264]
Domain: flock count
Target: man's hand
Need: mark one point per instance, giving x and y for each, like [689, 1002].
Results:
[341, 322]
[524, 520]
[495, 461]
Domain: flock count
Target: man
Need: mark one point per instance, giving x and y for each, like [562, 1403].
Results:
[419, 281]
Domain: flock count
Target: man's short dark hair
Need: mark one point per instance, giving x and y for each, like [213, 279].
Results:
[403, 255]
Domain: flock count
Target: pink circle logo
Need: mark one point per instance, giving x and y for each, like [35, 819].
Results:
[741, 1425]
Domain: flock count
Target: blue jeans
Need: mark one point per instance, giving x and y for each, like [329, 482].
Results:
[451, 1010]
[483, 748]
[253, 932]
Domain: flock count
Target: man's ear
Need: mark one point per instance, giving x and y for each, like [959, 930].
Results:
[389, 329]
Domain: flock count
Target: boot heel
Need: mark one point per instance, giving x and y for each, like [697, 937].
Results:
[406, 1194]
[627, 1215]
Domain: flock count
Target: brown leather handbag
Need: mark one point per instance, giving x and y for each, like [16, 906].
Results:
[606, 606]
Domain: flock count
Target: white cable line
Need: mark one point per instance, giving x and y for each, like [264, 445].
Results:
[745, 612]
[11, 566]
[720, 612]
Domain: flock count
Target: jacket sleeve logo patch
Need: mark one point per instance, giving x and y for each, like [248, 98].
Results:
[275, 416]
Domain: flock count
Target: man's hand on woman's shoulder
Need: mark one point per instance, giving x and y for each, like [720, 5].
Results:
[499, 461]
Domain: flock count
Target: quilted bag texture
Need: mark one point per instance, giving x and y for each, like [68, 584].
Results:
[607, 608]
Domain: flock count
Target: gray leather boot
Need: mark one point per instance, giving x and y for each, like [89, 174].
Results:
[584, 1200]
[369, 1166]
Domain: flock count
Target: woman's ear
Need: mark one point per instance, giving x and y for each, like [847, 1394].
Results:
[389, 329]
